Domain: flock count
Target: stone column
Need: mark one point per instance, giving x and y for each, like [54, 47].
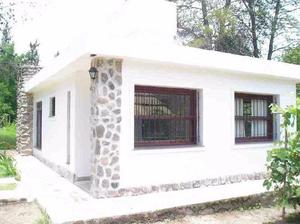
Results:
[25, 110]
[105, 127]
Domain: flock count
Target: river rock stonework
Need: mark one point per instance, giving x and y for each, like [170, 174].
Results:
[25, 110]
[105, 127]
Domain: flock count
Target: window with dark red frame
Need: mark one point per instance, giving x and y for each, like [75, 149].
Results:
[164, 116]
[253, 118]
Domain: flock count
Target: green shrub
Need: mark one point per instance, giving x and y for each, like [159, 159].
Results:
[44, 219]
[7, 166]
[284, 160]
[8, 137]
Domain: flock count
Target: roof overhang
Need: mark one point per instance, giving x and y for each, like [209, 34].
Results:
[164, 54]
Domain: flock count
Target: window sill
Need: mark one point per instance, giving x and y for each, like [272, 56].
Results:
[254, 145]
[168, 149]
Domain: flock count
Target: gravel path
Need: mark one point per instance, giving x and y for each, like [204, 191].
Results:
[21, 213]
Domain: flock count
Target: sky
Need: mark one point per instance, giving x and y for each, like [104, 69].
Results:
[56, 23]
[65, 25]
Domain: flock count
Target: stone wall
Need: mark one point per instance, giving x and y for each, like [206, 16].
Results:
[231, 179]
[105, 127]
[62, 171]
[25, 110]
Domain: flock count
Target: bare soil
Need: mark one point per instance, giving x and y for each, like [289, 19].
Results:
[29, 213]
[20, 213]
[256, 216]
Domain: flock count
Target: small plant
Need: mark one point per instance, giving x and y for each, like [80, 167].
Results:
[283, 162]
[8, 136]
[7, 166]
[8, 187]
[44, 219]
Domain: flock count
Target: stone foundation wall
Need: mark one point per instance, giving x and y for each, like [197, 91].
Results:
[135, 191]
[62, 171]
[105, 127]
[25, 110]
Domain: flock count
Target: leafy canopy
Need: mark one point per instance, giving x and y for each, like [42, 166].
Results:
[10, 62]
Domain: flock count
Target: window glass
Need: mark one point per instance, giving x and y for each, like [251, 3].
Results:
[253, 118]
[164, 116]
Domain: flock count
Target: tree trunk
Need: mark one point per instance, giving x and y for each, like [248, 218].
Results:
[249, 4]
[274, 29]
[253, 30]
[206, 24]
[285, 170]
[204, 12]
[227, 4]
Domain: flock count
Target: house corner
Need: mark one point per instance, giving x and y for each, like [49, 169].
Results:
[106, 117]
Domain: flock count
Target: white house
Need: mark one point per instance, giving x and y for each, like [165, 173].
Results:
[156, 116]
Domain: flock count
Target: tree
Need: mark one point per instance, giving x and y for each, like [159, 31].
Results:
[211, 25]
[292, 55]
[32, 56]
[284, 160]
[6, 14]
[247, 27]
[10, 62]
[253, 13]
[282, 22]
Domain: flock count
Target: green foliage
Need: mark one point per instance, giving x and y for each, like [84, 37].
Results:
[7, 166]
[292, 55]
[8, 137]
[222, 34]
[44, 219]
[10, 63]
[283, 162]
[32, 56]
[243, 27]
[8, 74]
[8, 187]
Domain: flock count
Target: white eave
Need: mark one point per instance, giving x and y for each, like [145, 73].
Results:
[79, 59]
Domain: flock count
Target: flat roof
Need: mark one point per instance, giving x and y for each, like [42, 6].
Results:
[79, 59]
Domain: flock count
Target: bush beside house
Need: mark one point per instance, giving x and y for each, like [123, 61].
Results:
[284, 160]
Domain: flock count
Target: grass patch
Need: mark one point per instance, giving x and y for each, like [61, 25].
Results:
[44, 219]
[8, 187]
[8, 137]
[7, 166]
[293, 218]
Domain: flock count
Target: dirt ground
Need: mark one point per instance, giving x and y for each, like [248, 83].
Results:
[29, 213]
[21, 213]
[256, 216]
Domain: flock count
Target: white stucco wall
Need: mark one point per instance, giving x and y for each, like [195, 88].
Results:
[218, 155]
[54, 129]
[82, 117]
